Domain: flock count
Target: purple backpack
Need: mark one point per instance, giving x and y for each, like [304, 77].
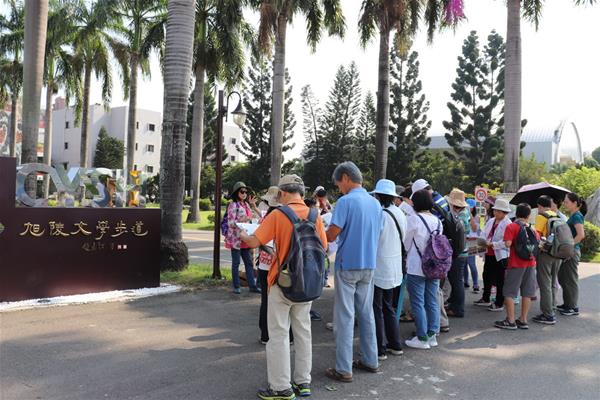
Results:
[436, 260]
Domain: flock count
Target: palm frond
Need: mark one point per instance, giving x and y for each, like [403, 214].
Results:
[368, 20]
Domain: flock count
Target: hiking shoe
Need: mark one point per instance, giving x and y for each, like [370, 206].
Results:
[482, 303]
[494, 307]
[444, 329]
[505, 324]
[561, 307]
[544, 319]
[237, 290]
[521, 325]
[417, 343]
[358, 364]
[382, 357]
[332, 373]
[270, 394]
[476, 289]
[263, 341]
[395, 352]
[315, 316]
[254, 290]
[569, 311]
[467, 285]
[302, 389]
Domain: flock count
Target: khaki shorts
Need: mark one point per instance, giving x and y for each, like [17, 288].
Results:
[519, 278]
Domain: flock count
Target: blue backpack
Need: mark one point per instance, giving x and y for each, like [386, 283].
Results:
[301, 276]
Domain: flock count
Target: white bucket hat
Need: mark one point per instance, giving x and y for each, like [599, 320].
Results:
[386, 187]
[502, 205]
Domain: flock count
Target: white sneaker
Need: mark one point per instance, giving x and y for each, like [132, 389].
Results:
[417, 343]
[329, 326]
[432, 341]
[395, 352]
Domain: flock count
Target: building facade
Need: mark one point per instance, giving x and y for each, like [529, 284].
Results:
[67, 137]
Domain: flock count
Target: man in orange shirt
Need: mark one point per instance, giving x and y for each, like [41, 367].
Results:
[281, 311]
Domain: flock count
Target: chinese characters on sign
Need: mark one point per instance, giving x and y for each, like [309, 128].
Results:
[56, 228]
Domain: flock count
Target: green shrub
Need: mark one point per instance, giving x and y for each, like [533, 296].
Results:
[211, 218]
[187, 200]
[591, 243]
[204, 204]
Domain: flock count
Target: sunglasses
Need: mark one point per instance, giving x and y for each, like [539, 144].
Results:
[243, 191]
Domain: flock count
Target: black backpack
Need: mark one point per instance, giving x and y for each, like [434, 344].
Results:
[453, 230]
[527, 244]
[302, 274]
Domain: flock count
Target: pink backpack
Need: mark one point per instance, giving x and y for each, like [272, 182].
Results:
[436, 259]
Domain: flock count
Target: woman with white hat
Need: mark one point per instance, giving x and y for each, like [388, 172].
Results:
[496, 256]
[388, 271]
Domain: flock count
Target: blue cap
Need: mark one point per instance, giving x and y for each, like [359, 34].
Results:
[472, 203]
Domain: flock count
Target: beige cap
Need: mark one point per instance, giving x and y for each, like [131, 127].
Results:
[290, 180]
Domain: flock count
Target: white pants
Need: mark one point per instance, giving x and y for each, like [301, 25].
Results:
[281, 313]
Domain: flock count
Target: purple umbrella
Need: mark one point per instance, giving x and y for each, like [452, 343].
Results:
[530, 193]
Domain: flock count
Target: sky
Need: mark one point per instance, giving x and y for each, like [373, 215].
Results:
[561, 65]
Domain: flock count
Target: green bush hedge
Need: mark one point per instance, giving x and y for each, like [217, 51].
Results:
[187, 200]
[591, 243]
[204, 204]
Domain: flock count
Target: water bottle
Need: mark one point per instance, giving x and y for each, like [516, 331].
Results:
[493, 294]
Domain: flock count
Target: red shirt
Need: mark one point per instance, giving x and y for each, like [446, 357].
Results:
[514, 261]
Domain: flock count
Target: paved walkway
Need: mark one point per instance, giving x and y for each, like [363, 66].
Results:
[204, 345]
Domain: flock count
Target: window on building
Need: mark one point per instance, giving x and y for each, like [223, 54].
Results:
[151, 127]
[232, 140]
[150, 148]
[137, 125]
[149, 169]
[66, 145]
[65, 165]
[66, 124]
[232, 158]
[136, 146]
[135, 167]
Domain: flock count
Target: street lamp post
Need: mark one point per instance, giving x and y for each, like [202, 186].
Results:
[239, 117]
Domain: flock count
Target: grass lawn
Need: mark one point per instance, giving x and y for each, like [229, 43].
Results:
[595, 259]
[203, 225]
[196, 276]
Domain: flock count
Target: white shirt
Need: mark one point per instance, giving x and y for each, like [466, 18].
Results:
[407, 208]
[388, 272]
[417, 233]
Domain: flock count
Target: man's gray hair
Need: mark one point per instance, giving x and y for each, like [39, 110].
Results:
[293, 188]
[350, 169]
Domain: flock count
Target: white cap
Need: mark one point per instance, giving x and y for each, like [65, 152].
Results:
[419, 184]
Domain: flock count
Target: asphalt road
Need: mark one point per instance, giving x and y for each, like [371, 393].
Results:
[200, 247]
[204, 345]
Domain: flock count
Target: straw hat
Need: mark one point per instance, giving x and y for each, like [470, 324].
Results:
[457, 198]
[271, 196]
[502, 205]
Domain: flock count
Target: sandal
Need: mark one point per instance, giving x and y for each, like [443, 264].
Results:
[358, 364]
[333, 374]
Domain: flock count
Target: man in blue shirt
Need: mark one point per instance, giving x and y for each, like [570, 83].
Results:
[356, 223]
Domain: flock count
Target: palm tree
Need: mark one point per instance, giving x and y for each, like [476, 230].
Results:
[58, 69]
[531, 10]
[12, 34]
[36, 23]
[403, 16]
[92, 47]
[141, 24]
[177, 75]
[274, 17]
[219, 53]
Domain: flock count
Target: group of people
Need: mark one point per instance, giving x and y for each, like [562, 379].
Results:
[382, 240]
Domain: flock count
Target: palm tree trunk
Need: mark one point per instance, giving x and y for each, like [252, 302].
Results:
[131, 119]
[278, 98]
[177, 69]
[48, 137]
[383, 107]
[36, 23]
[12, 133]
[197, 144]
[512, 98]
[83, 152]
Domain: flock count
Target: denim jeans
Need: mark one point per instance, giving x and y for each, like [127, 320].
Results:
[455, 277]
[235, 267]
[386, 324]
[354, 294]
[424, 303]
[472, 266]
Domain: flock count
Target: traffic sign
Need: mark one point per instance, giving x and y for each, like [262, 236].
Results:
[481, 193]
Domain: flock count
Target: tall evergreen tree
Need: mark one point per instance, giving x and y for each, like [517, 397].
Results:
[337, 127]
[475, 129]
[363, 149]
[256, 133]
[409, 122]
[109, 151]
